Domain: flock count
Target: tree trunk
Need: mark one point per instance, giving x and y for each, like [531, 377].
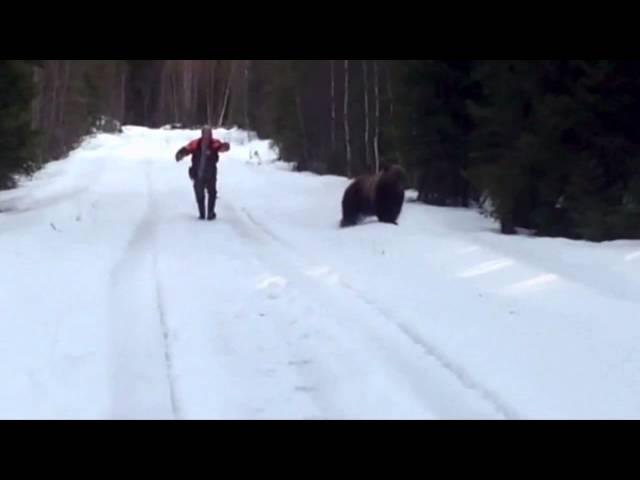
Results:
[507, 227]
[50, 103]
[186, 90]
[37, 98]
[465, 193]
[63, 91]
[366, 114]
[389, 93]
[123, 94]
[36, 106]
[376, 135]
[226, 95]
[209, 93]
[214, 68]
[392, 119]
[247, 67]
[346, 117]
[63, 101]
[333, 106]
[299, 109]
[174, 96]
[195, 83]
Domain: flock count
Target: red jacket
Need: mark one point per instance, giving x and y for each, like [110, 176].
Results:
[193, 148]
[215, 146]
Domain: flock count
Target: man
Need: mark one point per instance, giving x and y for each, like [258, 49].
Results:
[204, 168]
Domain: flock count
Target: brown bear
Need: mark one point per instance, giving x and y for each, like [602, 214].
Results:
[380, 195]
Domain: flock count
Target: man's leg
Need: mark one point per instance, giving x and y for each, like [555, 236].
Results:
[198, 188]
[212, 193]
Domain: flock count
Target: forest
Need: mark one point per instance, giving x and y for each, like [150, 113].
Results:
[546, 146]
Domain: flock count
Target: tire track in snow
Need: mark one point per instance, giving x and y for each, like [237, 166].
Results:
[159, 294]
[290, 254]
[252, 236]
[458, 371]
[141, 375]
[168, 358]
[463, 377]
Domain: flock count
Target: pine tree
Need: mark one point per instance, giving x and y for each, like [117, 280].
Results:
[17, 138]
[436, 126]
[602, 191]
[504, 145]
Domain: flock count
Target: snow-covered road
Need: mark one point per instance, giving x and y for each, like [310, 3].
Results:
[116, 302]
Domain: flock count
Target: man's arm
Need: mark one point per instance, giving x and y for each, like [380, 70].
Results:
[186, 150]
[221, 147]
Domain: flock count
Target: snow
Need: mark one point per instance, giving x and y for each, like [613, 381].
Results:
[116, 302]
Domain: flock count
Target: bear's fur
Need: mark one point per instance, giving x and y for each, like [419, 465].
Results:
[380, 195]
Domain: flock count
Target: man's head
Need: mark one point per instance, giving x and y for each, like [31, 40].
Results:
[206, 132]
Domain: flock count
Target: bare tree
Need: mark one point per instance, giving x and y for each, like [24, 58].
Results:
[37, 98]
[392, 119]
[197, 91]
[333, 105]
[174, 95]
[389, 91]
[210, 90]
[123, 93]
[50, 101]
[247, 68]
[64, 87]
[366, 113]
[225, 103]
[301, 122]
[376, 137]
[186, 89]
[346, 116]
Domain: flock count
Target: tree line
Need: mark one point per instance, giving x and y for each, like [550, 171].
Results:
[48, 106]
[549, 146]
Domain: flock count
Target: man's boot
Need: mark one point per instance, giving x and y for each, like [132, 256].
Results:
[200, 201]
[211, 206]
[201, 208]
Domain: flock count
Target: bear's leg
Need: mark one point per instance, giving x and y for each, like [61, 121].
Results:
[389, 207]
[348, 221]
[350, 207]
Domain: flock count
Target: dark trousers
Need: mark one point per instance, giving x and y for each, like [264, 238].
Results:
[208, 184]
